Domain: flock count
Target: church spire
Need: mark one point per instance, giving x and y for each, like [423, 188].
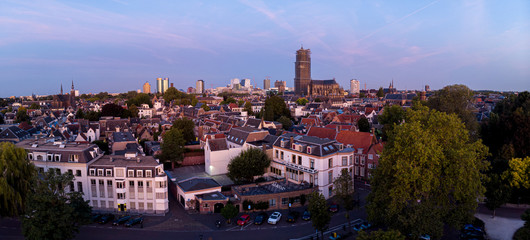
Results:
[72, 85]
[61, 89]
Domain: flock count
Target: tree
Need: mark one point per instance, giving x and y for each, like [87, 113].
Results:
[390, 234]
[80, 114]
[171, 94]
[429, 174]
[133, 110]
[22, 115]
[173, 147]
[240, 102]
[186, 126]
[111, 109]
[318, 100]
[519, 173]
[391, 117]
[286, 122]
[380, 92]
[16, 179]
[92, 116]
[138, 99]
[34, 106]
[362, 95]
[302, 101]
[275, 108]
[320, 216]
[205, 107]
[363, 124]
[456, 99]
[229, 211]
[228, 100]
[497, 192]
[51, 211]
[104, 146]
[248, 108]
[194, 101]
[344, 190]
[249, 163]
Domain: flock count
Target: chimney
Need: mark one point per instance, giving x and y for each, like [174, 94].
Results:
[291, 141]
[138, 160]
[111, 159]
[264, 147]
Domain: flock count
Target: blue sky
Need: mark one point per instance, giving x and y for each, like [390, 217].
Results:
[118, 45]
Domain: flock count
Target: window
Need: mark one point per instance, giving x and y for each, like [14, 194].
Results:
[148, 184]
[281, 155]
[285, 201]
[101, 182]
[330, 191]
[73, 158]
[78, 173]
[299, 160]
[132, 205]
[272, 202]
[139, 173]
[141, 206]
[362, 161]
[149, 206]
[370, 156]
[330, 177]
[72, 186]
[356, 159]
[102, 204]
[93, 181]
[57, 157]
[370, 166]
[276, 154]
[100, 172]
[92, 172]
[120, 185]
[131, 184]
[119, 173]
[351, 160]
[294, 158]
[30, 156]
[58, 171]
[121, 195]
[50, 157]
[130, 173]
[330, 162]
[161, 184]
[111, 204]
[312, 164]
[70, 171]
[161, 195]
[108, 172]
[79, 186]
[140, 184]
[344, 161]
[109, 183]
[148, 173]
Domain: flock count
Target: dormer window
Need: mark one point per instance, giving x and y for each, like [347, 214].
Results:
[100, 172]
[309, 150]
[92, 172]
[30, 156]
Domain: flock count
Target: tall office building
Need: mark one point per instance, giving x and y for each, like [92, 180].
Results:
[162, 84]
[266, 84]
[147, 87]
[245, 82]
[355, 86]
[200, 86]
[234, 82]
[302, 71]
[427, 88]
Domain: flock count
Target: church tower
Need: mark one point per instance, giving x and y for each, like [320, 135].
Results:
[72, 95]
[302, 71]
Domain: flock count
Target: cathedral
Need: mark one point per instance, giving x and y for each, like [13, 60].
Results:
[304, 85]
[62, 101]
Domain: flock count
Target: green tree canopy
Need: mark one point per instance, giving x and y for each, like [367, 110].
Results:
[16, 179]
[381, 235]
[456, 99]
[286, 122]
[186, 126]
[320, 216]
[229, 100]
[139, 98]
[248, 108]
[205, 107]
[22, 115]
[429, 174]
[249, 163]
[80, 114]
[302, 101]
[229, 211]
[173, 146]
[133, 110]
[111, 109]
[391, 116]
[344, 189]
[275, 108]
[172, 93]
[363, 124]
[519, 173]
[380, 92]
[34, 106]
[92, 115]
[52, 212]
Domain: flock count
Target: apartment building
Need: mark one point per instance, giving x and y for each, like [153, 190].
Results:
[128, 183]
[73, 157]
[317, 161]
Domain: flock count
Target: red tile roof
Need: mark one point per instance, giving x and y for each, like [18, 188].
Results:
[322, 132]
[358, 139]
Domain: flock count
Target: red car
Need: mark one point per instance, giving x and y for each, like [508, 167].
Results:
[243, 220]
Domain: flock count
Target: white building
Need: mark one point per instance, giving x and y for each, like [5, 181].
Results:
[130, 183]
[314, 160]
[234, 82]
[145, 111]
[355, 86]
[200, 86]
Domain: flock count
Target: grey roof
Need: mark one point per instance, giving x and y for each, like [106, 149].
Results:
[122, 161]
[321, 146]
[212, 196]
[122, 137]
[399, 96]
[14, 132]
[271, 188]
[217, 144]
[197, 183]
[324, 82]
[253, 122]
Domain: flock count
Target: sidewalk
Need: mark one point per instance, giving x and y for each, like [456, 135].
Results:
[503, 226]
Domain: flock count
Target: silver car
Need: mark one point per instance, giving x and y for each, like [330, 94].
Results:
[274, 218]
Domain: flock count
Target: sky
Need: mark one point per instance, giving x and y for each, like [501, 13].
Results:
[117, 46]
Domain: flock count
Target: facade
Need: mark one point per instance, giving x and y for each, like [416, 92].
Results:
[355, 87]
[277, 193]
[324, 88]
[311, 160]
[62, 101]
[47, 153]
[147, 88]
[302, 71]
[234, 82]
[266, 84]
[280, 85]
[128, 184]
[245, 82]
[162, 84]
[200, 86]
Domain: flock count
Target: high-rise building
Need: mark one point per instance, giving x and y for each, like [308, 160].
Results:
[200, 86]
[281, 85]
[266, 84]
[302, 71]
[245, 83]
[162, 84]
[234, 82]
[147, 87]
[427, 88]
[355, 86]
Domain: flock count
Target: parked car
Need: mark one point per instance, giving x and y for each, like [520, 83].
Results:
[260, 218]
[274, 218]
[134, 221]
[333, 208]
[243, 220]
[95, 217]
[106, 218]
[306, 216]
[121, 220]
[292, 216]
[362, 226]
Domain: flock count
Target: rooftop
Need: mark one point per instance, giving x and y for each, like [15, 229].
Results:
[270, 188]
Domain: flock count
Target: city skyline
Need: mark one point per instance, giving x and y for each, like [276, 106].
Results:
[118, 46]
